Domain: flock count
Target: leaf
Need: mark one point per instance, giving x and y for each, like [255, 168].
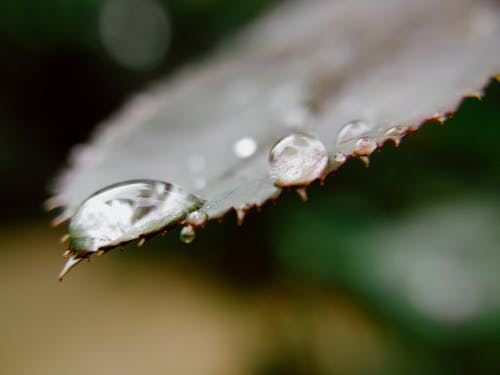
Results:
[310, 66]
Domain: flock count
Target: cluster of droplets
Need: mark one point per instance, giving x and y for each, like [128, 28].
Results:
[193, 220]
[137, 209]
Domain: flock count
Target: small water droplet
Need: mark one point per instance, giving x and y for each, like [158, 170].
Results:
[187, 234]
[197, 218]
[396, 131]
[352, 130]
[365, 146]
[245, 147]
[297, 160]
[339, 157]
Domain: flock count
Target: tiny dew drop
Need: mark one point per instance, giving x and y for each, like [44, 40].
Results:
[396, 131]
[339, 157]
[197, 218]
[297, 160]
[365, 146]
[352, 130]
[123, 212]
[187, 234]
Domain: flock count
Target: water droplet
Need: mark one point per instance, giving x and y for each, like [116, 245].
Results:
[197, 218]
[245, 147]
[339, 157]
[187, 234]
[396, 133]
[352, 130]
[365, 146]
[297, 160]
[123, 212]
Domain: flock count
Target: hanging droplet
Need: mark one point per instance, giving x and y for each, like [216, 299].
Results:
[197, 218]
[187, 234]
[123, 212]
[352, 131]
[297, 160]
[365, 146]
[245, 147]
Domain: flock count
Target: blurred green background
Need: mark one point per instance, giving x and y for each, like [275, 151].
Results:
[392, 269]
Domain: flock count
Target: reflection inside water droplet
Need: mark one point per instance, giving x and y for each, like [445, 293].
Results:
[297, 160]
[365, 146]
[245, 147]
[187, 234]
[352, 131]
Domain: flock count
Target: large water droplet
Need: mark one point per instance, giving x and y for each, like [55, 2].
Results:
[365, 146]
[245, 147]
[125, 211]
[187, 234]
[352, 131]
[297, 160]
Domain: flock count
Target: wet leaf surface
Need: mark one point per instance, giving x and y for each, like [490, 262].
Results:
[312, 67]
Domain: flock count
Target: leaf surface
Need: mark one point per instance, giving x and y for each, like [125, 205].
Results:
[308, 66]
